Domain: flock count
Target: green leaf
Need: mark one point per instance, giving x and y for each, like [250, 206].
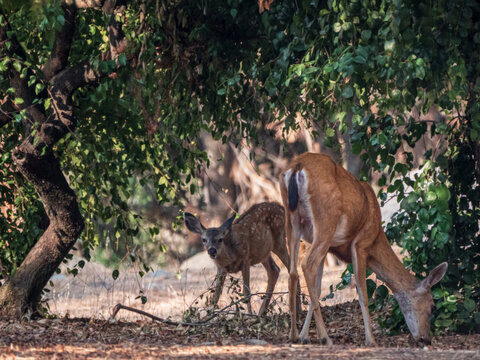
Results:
[17, 66]
[18, 101]
[61, 19]
[38, 88]
[420, 73]
[469, 305]
[381, 292]
[233, 13]
[366, 34]
[347, 93]
[389, 45]
[330, 132]
[359, 59]
[371, 286]
[122, 59]
[46, 104]
[477, 318]
[221, 91]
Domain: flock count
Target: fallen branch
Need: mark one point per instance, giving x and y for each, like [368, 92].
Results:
[205, 320]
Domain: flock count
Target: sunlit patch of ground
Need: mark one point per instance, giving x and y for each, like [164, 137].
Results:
[84, 331]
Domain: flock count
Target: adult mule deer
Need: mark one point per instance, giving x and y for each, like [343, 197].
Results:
[248, 241]
[329, 208]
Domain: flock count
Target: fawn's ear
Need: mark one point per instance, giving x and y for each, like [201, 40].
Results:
[435, 276]
[192, 223]
[226, 226]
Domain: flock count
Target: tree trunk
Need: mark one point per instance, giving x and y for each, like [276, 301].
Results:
[22, 292]
[35, 160]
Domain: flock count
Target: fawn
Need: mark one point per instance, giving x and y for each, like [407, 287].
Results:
[237, 245]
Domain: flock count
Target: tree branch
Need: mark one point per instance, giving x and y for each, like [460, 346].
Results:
[22, 90]
[201, 322]
[7, 108]
[62, 44]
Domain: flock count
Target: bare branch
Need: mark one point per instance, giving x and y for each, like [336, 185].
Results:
[62, 45]
[22, 90]
[202, 322]
[6, 110]
[88, 72]
[118, 42]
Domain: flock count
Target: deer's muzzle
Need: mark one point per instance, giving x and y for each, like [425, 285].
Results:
[212, 252]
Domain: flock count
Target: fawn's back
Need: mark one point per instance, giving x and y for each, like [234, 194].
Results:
[260, 230]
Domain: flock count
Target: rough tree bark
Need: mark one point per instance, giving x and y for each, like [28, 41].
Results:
[35, 160]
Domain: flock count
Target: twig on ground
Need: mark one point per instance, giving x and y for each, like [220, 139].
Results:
[205, 320]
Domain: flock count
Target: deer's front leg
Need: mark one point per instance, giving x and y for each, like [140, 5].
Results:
[246, 285]
[359, 260]
[221, 274]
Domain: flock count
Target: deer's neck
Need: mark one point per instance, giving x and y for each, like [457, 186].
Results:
[388, 268]
[232, 256]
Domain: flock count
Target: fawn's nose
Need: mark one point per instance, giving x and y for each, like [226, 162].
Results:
[212, 252]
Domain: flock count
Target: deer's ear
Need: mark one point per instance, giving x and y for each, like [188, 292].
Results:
[435, 276]
[192, 223]
[227, 224]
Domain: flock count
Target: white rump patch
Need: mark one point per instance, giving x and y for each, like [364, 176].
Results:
[302, 221]
[286, 177]
[302, 182]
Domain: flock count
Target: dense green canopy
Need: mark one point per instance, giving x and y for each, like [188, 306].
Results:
[118, 92]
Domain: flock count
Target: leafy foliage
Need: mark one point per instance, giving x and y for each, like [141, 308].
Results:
[377, 62]
[358, 67]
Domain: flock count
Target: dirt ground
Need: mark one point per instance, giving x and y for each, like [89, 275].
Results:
[84, 330]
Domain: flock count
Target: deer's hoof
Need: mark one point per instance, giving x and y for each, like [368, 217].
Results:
[303, 341]
[326, 341]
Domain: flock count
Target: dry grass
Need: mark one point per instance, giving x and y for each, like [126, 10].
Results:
[93, 293]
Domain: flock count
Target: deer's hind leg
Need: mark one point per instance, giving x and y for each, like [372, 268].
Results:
[293, 243]
[282, 254]
[303, 337]
[272, 275]
[323, 232]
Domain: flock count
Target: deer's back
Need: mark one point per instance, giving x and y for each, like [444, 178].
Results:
[333, 192]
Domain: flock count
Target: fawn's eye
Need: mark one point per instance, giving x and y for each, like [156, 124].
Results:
[204, 240]
[220, 240]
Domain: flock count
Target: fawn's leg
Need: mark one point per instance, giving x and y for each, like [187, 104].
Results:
[246, 286]
[272, 274]
[220, 279]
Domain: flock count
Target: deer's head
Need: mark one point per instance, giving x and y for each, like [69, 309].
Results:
[213, 238]
[416, 305]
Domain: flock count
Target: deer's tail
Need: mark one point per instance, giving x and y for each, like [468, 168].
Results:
[293, 191]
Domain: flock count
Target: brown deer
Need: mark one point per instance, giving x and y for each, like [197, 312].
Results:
[329, 208]
[248, 241]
